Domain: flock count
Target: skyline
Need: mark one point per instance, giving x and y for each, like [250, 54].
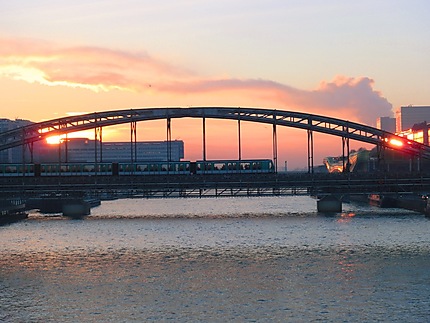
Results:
[355, 61]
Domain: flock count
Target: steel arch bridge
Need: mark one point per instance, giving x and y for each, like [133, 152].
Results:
[310, 122]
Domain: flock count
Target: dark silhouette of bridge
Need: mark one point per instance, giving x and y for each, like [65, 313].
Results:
[235, 184]
[347, 130]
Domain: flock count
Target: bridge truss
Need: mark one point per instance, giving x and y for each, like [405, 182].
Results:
[310, 122]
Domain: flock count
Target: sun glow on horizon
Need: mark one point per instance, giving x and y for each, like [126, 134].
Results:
[108, 134]
[54, 140]
[57, 139]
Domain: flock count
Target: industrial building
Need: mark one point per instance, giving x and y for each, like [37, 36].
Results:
[386, 124]
[82, 150]
[410, 115]
[410, 121]
[77, 150]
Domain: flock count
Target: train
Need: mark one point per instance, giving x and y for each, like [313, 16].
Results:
[138, 168]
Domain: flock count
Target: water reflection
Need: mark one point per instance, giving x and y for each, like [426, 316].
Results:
[172, 264]
[232, 284]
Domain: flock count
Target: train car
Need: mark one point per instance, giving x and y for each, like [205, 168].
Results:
[153, 168]
[74, 169]
[12, 170]
[234, 166]
[139, 168]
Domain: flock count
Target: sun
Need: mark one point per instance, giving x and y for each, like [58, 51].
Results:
[54, 140]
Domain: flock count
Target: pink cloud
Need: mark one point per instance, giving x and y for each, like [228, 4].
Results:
[354, 97]
[97, 68]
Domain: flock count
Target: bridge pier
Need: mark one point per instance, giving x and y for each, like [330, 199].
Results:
[76, 208]
[329, 204]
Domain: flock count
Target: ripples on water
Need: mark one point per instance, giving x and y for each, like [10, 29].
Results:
[257, 259]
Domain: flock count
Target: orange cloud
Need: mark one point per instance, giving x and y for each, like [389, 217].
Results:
[102, 69]
[92, 68]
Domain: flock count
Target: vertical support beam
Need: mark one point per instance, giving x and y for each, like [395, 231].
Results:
[275, 142]
[31, 147]
[95, 142]
[204, 139]
[133, 142]
[346, 165]
[239, 139]
[96, 165]
[380, 149]
[343, 154]
[96, 136]
[169, 141]
[98, 144]
[59, 158]
[95, 145]
[101, 144]
[310, 141]
[310, 152]
[275, 145]
[66, 149]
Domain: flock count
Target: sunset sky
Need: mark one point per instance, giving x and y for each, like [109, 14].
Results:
[355, 60]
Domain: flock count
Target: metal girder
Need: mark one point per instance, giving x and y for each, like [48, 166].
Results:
[312, 122]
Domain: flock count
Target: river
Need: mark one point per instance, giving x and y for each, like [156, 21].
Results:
[271, 259]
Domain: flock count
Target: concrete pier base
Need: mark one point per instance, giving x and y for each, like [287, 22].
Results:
[75, 209]
[329, 204]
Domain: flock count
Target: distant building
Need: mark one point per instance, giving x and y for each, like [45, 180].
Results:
[386, 124]
[419, 132]
[84, 150]
[13, 154]
[411, 115]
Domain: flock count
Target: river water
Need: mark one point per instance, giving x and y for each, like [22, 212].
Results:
[217, 260]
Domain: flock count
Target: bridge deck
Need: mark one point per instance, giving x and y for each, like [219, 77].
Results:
[217, 185]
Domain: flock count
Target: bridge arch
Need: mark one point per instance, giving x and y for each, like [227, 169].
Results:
[310, 122]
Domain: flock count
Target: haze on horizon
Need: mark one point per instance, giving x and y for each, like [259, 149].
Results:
[351, 60]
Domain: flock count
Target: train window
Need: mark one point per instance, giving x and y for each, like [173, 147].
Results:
[219, 166]
[256, 166]
[245, 166]
[88, 168]
[232, 166]
[11, 169]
